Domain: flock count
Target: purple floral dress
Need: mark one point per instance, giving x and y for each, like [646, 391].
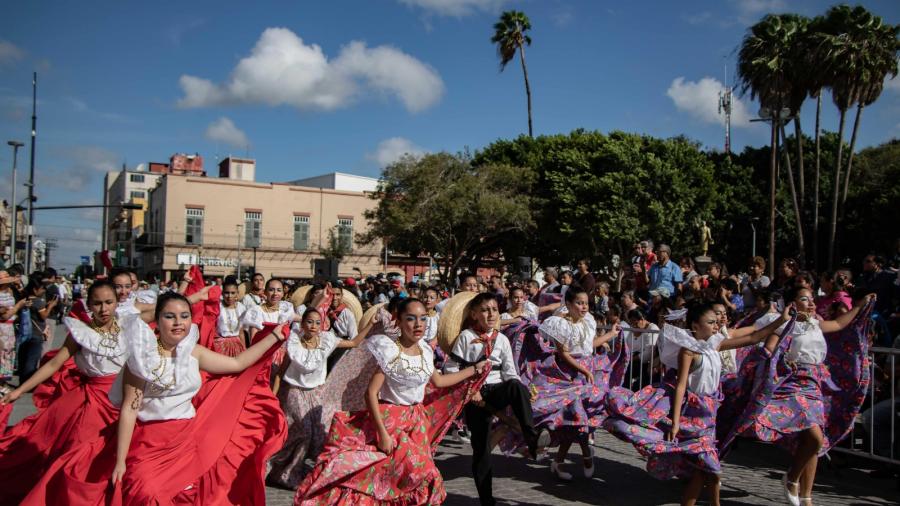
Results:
[563, 401]
[642, 418]
[788, 397]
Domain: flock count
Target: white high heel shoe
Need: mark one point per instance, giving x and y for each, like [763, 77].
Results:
[555, 471]
[589, 470]
[792, 499]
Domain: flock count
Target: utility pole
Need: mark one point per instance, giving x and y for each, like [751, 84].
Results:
[30, 231]
[725, 107]
[15, 206]
[239, 227]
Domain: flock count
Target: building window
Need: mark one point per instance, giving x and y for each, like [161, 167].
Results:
[194, 226]
[252, 228]
[137, 194]
[301, 233]
[345, 233]
[137, 178]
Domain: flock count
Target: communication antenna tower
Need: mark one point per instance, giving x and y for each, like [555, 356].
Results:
[725, 107]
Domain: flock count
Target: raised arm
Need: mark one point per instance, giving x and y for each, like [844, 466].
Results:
[605, 338]
[448, 380]
[843, 320]
[68, 349]
[217, 363]
[131, 403]
[352, 343]
[758, 335]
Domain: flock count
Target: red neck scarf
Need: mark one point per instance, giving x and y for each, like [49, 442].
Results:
[334, 313]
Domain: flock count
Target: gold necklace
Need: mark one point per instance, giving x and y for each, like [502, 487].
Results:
[406, 365]
[265, 307]
[109, 339]
[160, 371]
[305, 341]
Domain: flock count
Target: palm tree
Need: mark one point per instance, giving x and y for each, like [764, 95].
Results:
[763, 66]
[863, 50]
[509, 35]
[817, 69]
[878, 60]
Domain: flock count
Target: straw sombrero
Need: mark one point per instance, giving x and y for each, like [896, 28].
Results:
[352, 303]
[243, 289]
[349, 300]
[369, 315]
[453, 317]
[300, 294]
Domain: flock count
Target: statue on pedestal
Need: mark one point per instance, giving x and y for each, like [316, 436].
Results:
[705, 238]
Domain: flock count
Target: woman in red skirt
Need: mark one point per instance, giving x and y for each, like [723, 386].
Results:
[384, 454]
[182, 437]
[81, 409]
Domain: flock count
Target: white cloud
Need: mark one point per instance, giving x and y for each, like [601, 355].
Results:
[698, 18]
[283, 70]
[10, 53]
[224, 130]
[391, 150]
[456, 7]
[751, 11]
[700, 99]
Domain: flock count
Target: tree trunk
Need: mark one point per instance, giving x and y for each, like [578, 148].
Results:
[527, 87]
[801, 174]
[773, 161]
[836, 194]
[816, 190]
[801, 247]
[859, 110]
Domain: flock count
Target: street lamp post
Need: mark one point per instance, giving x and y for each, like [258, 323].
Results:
[239, 253]
[753, 228]
[776, 118]
[15, 211]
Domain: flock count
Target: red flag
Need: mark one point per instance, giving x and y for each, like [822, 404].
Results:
[105, 259]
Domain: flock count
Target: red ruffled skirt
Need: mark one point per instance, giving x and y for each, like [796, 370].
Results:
[353, 471]
[218, 457]
[80, 412]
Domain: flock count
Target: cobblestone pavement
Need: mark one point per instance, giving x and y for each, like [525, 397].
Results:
[750, 476]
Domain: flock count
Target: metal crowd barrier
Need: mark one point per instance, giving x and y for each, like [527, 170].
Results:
[874, 435]
[637, 355]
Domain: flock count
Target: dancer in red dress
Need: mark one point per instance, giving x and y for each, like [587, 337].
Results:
[180, 438]
[80, 411]
[384, 454]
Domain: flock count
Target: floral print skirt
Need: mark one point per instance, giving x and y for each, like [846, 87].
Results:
[306, 435]
[642, 419]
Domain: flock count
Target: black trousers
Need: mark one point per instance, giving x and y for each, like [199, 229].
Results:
[498, 396]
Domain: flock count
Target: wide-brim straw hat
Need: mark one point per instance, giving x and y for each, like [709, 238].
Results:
[299, 295]
[453, 319]
[369, 315]
[243, 289]
[348, 299]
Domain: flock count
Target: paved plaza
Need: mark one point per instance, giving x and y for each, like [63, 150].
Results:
[750, 477]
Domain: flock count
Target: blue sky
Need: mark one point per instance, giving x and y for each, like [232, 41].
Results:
[311, 87]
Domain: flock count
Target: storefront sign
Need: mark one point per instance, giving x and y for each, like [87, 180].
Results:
[192, 259]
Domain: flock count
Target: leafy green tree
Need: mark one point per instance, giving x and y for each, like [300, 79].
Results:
[510, 37]
[594, 195]
[442, 206]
